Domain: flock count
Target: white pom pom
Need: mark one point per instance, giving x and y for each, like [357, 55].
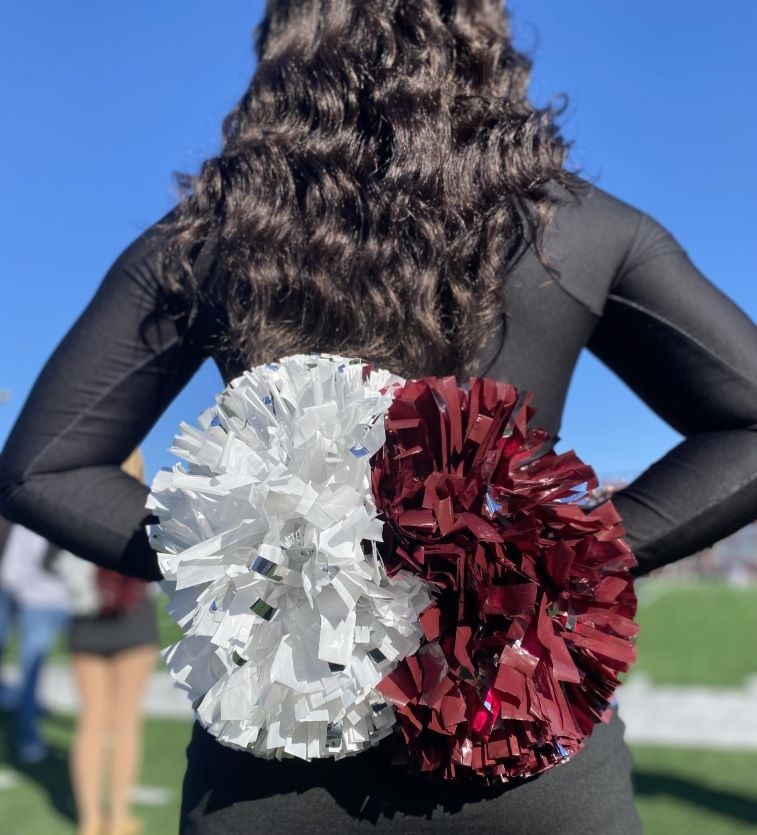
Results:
[267, 540]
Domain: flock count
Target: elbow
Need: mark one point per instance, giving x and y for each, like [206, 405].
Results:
[11, 488]
[14, 487]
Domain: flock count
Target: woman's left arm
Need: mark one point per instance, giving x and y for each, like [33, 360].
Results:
[99, 394]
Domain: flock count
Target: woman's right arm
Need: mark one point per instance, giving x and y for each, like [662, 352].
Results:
[99, 394]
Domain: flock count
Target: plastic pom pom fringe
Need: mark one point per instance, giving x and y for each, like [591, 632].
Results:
[267, 541]
[534, 619]
[350, 554]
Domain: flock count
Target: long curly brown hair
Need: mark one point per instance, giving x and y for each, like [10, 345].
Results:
[374, 184]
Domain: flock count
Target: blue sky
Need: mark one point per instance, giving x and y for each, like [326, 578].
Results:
[102, 101]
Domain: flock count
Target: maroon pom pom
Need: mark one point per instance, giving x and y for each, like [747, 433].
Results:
[534, 617]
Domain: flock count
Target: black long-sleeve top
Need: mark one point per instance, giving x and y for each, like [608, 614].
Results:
[625, 290]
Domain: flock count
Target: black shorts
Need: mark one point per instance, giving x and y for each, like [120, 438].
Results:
[228, 792]
[109, 635]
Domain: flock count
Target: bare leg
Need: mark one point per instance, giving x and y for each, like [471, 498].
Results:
[131, 669]
[92, 678]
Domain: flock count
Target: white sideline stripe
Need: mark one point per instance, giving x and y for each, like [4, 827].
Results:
[58, 693]
[140, 795]
[691, 716]
[151, 795]
[8, 780]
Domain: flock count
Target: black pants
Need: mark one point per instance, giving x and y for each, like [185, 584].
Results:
[229, 792]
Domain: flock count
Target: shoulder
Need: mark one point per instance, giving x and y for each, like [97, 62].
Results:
[588, 215]
[143, 259]
[141, 273]
[590, 239]
[136, 271]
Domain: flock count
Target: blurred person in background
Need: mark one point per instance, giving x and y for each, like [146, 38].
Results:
[386, 190]
[33, 596]
[113, 642]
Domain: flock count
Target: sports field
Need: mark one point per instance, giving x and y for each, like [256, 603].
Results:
[691, 634]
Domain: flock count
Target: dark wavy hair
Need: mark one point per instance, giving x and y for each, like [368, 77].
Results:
[374, 184]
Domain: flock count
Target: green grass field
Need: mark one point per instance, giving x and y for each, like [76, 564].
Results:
[691, 792]
[701, 634]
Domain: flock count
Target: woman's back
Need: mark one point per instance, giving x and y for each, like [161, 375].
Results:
[625, 289]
